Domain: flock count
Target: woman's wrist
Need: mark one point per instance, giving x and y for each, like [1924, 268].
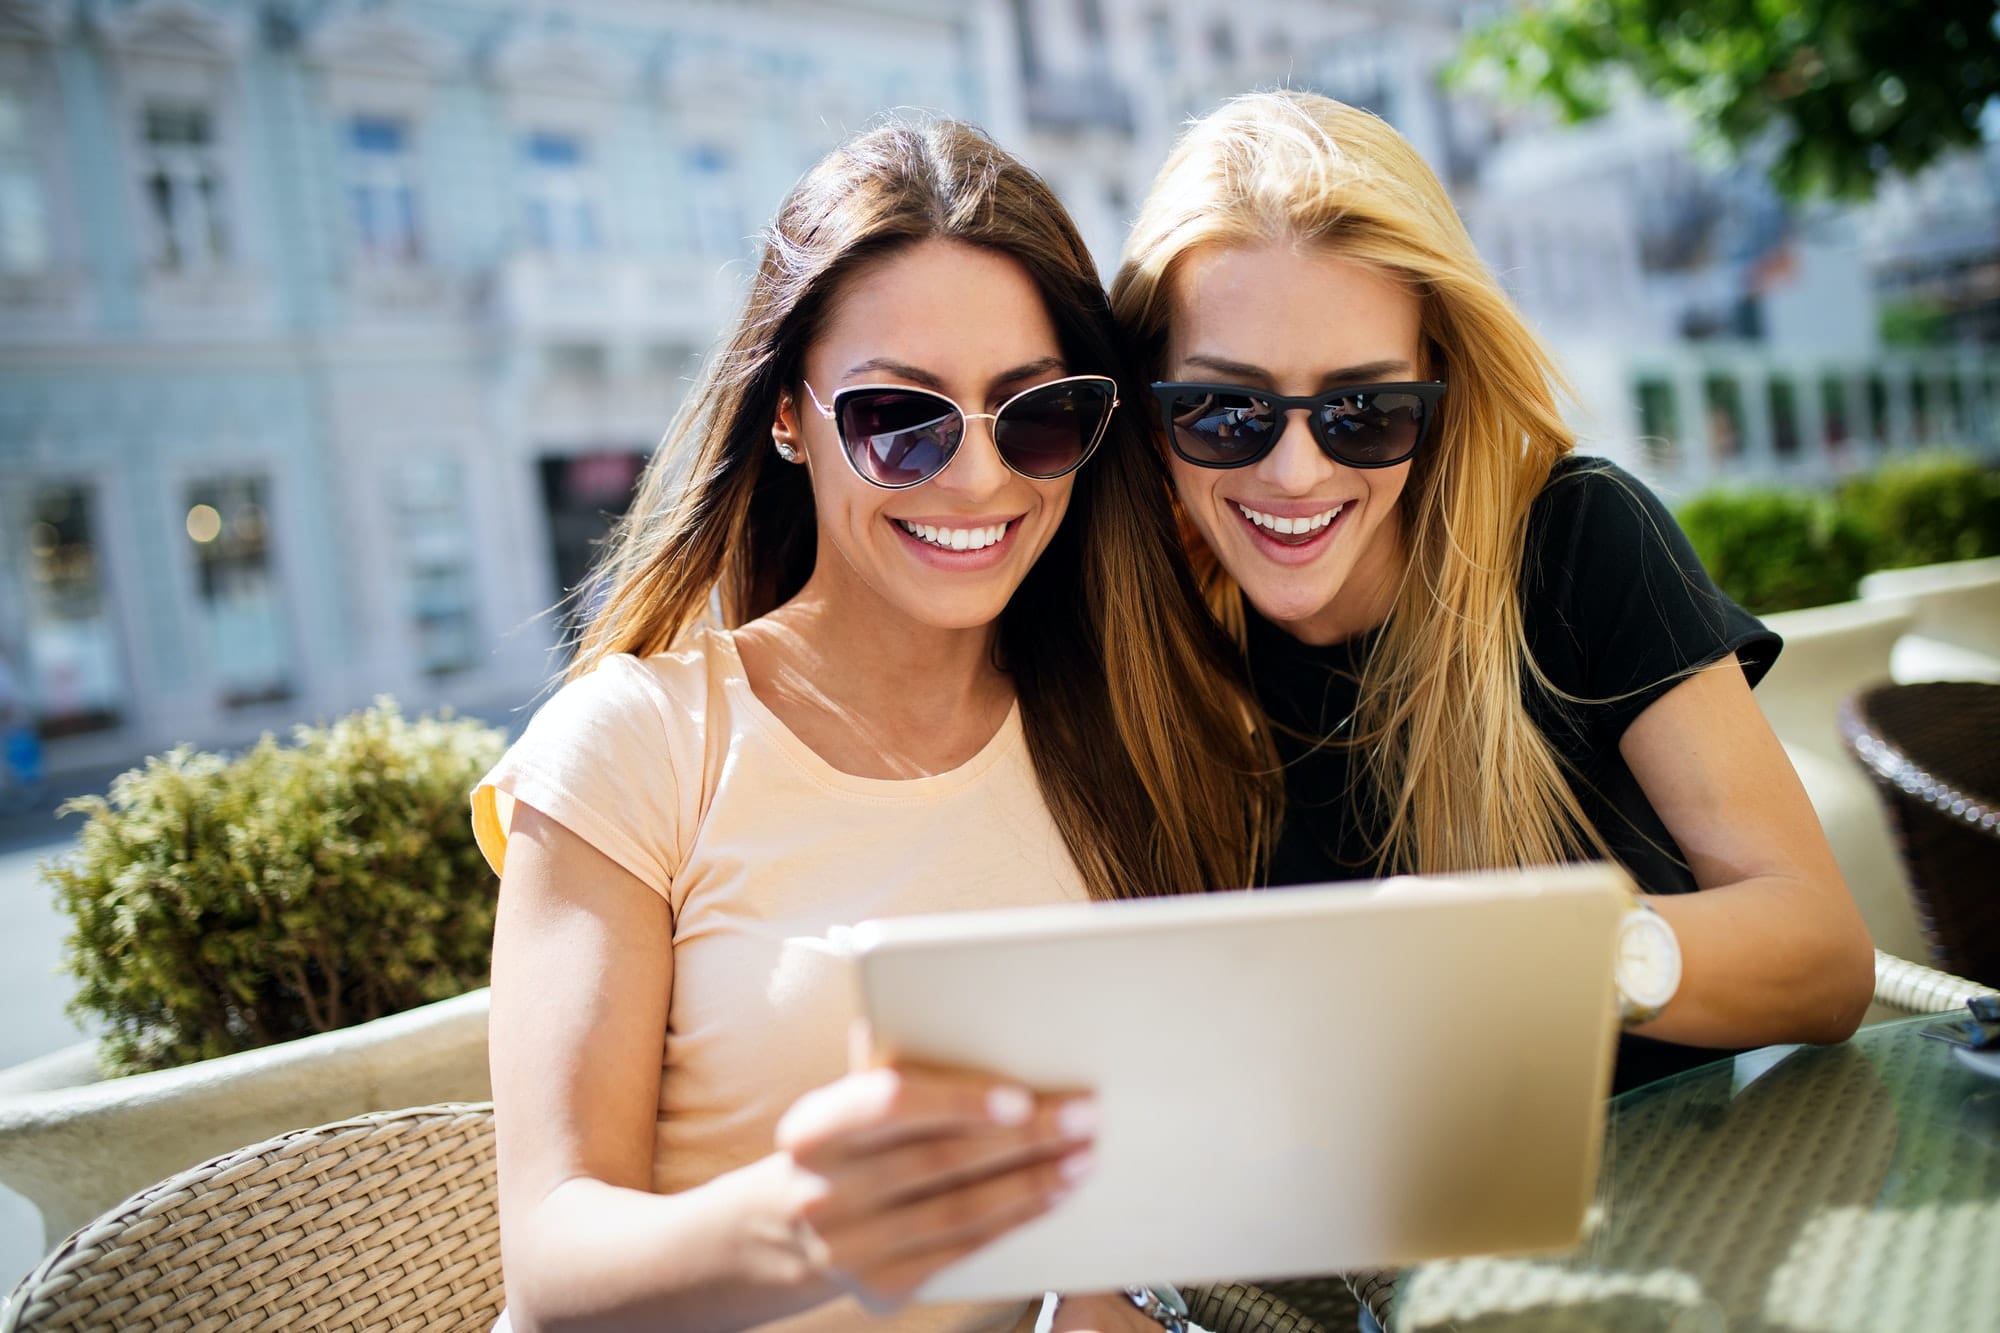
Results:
[769, 1244]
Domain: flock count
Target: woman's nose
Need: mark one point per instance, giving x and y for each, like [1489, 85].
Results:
[1296, 464]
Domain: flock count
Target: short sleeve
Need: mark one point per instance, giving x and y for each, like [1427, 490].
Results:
[600, 759]
[1617, 606]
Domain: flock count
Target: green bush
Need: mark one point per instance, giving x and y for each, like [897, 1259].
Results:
[1777, 550]
[1926, 510]
[221, 904]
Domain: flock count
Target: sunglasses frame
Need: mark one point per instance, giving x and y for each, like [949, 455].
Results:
[1431, 392]
[832, 413]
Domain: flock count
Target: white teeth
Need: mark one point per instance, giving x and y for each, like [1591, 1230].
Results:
[1290, 526]
[955, 539]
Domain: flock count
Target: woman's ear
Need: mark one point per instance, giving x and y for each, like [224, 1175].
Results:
[785, 430]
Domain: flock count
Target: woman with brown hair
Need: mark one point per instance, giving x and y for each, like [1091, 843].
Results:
[1476, 650]
[895, 624]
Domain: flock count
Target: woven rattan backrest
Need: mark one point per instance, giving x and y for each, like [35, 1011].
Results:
[1933, 750]
[386, 1222]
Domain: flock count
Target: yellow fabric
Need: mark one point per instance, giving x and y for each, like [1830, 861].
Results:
[672, 767]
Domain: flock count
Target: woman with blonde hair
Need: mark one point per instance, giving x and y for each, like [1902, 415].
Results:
[958, 664]
[1476, 649]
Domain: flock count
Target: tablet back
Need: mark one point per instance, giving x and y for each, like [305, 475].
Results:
[1291, 1081]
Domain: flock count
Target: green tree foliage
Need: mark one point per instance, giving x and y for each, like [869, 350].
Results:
[221, 904]
[1852, 88]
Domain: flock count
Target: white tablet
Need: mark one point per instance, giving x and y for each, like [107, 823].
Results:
[1291, 1082]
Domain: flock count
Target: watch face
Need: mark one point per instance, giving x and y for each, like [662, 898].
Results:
[1649, 959]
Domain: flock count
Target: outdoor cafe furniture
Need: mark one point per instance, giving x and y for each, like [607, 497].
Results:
[1933, 750]
[384, 1222]
[391, 1221]
[1850, 1187]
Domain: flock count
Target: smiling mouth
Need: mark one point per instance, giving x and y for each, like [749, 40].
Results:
[957, 539]
[1290, 531]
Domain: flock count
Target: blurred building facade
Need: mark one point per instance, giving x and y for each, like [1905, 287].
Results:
[332, 330]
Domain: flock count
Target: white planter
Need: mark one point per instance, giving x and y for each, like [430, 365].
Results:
[1957, 631]
[75, 1144]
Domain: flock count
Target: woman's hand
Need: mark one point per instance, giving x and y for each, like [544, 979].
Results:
[888, 1175]
[1100, 1312]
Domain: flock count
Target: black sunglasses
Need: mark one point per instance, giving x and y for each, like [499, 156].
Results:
[1359, 425]
[897, 437]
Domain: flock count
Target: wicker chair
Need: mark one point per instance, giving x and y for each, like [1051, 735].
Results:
[1933, 750]
[385, 1222]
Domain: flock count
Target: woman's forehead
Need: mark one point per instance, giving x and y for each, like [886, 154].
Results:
[1292, 310]
[957, 311]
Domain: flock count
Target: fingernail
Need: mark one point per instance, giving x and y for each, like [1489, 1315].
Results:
[1009, 1105]
[1076, 1166]
[1078, 1119]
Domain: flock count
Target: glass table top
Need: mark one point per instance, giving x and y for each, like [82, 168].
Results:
[1851, 1187]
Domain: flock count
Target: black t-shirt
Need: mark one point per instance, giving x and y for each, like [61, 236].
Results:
[1616, 607]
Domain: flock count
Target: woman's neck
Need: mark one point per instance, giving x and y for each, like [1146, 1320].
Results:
[876, 695]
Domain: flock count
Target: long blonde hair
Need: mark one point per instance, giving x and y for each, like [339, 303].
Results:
[1466, 778]
[1133, 707]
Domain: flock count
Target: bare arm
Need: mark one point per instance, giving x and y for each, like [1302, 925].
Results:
[877, 1180]
[1773, 949]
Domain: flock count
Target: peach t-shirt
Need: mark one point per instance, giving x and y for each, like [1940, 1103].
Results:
[673, 768]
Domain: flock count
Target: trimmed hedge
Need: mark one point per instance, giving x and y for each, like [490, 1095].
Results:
[222, 904]
[1778, 549]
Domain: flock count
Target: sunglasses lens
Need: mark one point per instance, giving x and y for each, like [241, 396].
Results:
[1372, 429]
[899, 437]
[1221, 429]
[1046, 432]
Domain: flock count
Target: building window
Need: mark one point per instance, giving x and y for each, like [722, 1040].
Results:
[1833, 411]
[24, 206]
[583, 496]
[1920, 410]
[1659, 422]
[185, 197]
[1878, 409]
[1724, 400]
[1160, 41]
[561, 206]
[72, 655]
[1955, 419]
[228, 524]
[718, 217]
[1784, 400]
[429, 499]
[382, 191]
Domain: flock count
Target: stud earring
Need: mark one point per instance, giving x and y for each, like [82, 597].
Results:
[785, 450]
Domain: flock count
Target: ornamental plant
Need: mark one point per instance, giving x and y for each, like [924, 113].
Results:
[221, 904]
[1777, 549]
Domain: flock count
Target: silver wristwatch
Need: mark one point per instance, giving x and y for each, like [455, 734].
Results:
[1647, 965]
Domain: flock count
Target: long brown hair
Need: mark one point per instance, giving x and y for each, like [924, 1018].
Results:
[1467, 778]
[1141, 732]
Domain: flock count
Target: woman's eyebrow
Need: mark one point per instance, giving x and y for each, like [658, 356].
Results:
[1366, 373]
[1028, 370]
[1222, 365]
[1254, 375]
[900, 369]
[931, 380]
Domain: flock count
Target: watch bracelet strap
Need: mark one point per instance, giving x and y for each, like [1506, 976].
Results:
[1163, 1303]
